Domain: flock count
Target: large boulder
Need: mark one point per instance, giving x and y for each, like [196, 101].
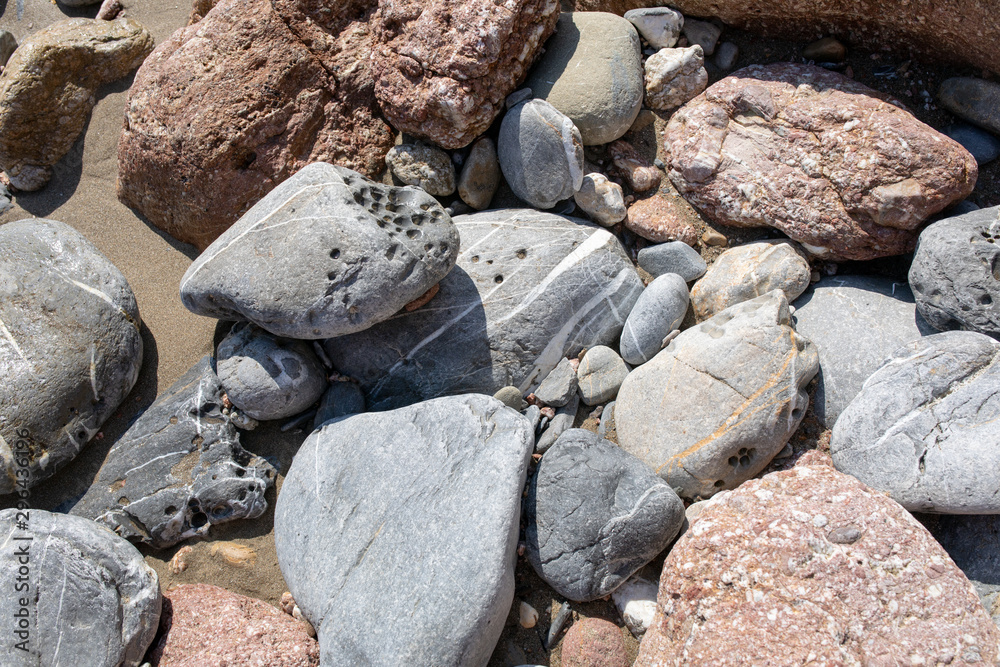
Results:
[228, 108]
[529, 288]
[443, 68]
[397, 532]
[790, 146]
[70, 348]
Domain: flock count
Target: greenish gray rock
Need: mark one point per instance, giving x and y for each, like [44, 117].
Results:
[674, 76]
[592, 72]
[672, 257]
[397, 532]
[600, 374]
[339, 400]
[659, 26]
[511, 397]
[480, 176]
[974, 100]
[559, 386]
[660, 309]
[426, 167]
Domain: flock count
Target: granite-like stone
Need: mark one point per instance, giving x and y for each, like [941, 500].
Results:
[377, 514]
[267, 377]
[594, 642]
[559, 386]
[747, 271]
[955, 274]
[659, 310]
[856, 322]
[601, 373]
[70, 348]
[629, 165]
[672, 257]
[85, 595]
[974, 100]
[660, 26]
[662, 218]
[984, 146]
[596, 515]
[674, 76]
[529, 289]
[925, 425]
[179, 469]
[327, 253]
[713, 408]
[426, 167]
[602, 200]
[480, 175]
[339, 400]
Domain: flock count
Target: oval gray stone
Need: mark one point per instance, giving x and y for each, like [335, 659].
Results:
[975, 100]
[672, 257]
[659, 310]
[480, 175]
[600, 374]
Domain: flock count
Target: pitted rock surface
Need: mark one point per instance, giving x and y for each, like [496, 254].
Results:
[529, 288]
[925, 425]
[179, 469]
[326, 253]
[91, 599]
[809, 565]
[820, 157]
[714, 407]
[443, 68]
[49, 86]
[70, 349]
[411, 516]
[226, 109]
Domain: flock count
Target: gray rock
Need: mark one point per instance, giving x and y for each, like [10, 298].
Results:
[339, 400]
[268, 377]
[672, 257]
[426, 167]
[592, 72]
[326, 253]
[973, 542]
[179, 469]
[856, 322]
[565, 416]
[704, 34]
[481, 175]
[726, 55]
[397, 532]
[674, 76]
[85, 595]
[600, 374]
[540, 153]
[6, 199]
[70, 349]
[974, 100]
[511, 397]
[534, 415]
[659, 310]
[529, 289]
[984, 146]
[714, 407]
[925, 425]
[607, 424]
[747, 271]
[962, 207]
[660, 26]
[602, 200]
[559, 386]
[595, 516]
[517, 97]
[955, 274]
[8, 44]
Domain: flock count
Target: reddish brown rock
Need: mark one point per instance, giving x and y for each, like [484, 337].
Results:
[629, 165]
[594, 642]
[809, 566]
[203, 625]
[662, 218]
[229, 107]
[824, 159]
[443, 68]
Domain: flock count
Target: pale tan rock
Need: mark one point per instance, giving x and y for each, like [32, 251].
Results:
[601, 199]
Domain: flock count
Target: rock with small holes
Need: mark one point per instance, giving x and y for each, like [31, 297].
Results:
[70, 348]
[427, 167]
[715, 406]
[179, 469]
[602, 372]
[327, 253]
[955, 274]
[659, 310]
[925, 425]
[268, 377]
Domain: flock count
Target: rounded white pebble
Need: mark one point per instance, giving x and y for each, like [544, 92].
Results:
[529, 615]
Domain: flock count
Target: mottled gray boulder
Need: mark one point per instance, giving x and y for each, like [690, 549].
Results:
[659, 310]
[266, 376]
[600, 374]
[426, 167]
[397, 532]
[714, 407]
[973, 542]
[541, 154]
[326, 253]
[85, 595]
[179, 469]
[529, 289]
[563, 420]
[856, 322]
[660, 26]
[672, 257]
[339, 400]
[747, 271]
[955, 274]
[70, 348]
[596, 514]
[559, 385]
[925, 426]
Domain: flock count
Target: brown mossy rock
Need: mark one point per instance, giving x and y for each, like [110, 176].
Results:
[443, 68]
[231, 106]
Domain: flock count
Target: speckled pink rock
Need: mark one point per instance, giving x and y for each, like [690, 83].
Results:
[809, 566]
[662, 218]
[207, 626]
[594, 642]
[824, 159]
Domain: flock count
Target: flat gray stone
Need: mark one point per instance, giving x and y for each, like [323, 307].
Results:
[955, 274]
[984, 146]
[600, 374]
[925, 426]
[70, 349]
[540, 153]
[596, 515]
[659, 310]
[721, 400]
[672, 257]
[397, 532]
[856, 322]
[88, 598]
[973, 542]
[179, 469]
[339, 400]
[563, 420]
[660, 26]
[974, 100]
[559, 386]
[426, 167]
[326, 253]
[266, 376]
[529, 289]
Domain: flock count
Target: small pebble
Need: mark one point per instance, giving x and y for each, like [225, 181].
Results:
[713, 238]
[511, 397]
[181, 559]
[827, 49]
[528, 615]
[702, 33]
